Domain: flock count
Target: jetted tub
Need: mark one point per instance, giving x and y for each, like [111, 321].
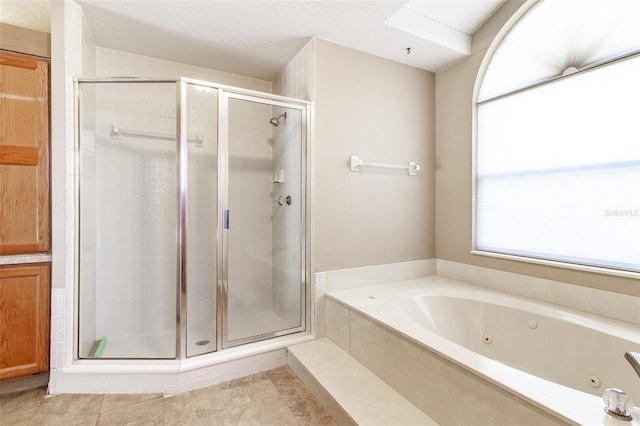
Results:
[558, 359]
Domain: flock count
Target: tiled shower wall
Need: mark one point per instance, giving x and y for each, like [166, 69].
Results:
[111, 63]
[296, 80]
[250, 234]
[286, 223]
[202, 202]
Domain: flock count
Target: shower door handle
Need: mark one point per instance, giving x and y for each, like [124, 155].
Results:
[225, 219]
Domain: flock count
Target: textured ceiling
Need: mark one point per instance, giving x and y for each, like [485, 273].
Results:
[32, 14]
[258, 38]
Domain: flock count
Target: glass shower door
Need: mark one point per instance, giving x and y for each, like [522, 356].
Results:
[265, 225]
[128, 219]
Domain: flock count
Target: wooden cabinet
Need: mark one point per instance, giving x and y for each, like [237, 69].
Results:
[24, 155]
[25, 289]
[24, 320]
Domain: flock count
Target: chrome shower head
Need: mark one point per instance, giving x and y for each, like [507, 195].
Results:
[275, 121]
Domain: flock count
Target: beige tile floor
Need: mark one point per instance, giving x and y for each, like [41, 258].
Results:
[275, 397]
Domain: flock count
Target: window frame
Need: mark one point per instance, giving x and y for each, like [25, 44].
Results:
[497, 41]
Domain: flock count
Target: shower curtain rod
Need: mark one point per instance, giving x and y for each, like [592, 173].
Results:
[118, 133]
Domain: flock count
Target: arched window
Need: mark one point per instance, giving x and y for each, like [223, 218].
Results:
[557, 138]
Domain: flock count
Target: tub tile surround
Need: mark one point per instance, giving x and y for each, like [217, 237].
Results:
[339, 325]
[342, 279]
[376, 274]
[600, 302]
[437, 379]
[400, 361]
[594, 301]
[319, 314]
[450, 395]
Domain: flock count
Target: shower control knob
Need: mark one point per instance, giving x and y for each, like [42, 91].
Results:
[282, 200]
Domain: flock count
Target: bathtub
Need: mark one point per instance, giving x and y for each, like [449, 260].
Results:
[552, 359]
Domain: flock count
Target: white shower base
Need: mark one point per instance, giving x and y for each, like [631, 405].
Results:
[255, 324]
[162, 345]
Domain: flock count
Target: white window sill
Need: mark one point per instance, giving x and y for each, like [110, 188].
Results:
[558, 264]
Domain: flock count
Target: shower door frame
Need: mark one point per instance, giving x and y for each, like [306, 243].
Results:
[224, 93]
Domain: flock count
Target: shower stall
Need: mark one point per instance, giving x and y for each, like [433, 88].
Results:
[192, 215]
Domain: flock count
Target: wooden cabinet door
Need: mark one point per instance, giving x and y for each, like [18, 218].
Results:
[24, 155]
[24, 320]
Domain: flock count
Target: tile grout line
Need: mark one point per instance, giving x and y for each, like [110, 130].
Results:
[35, 411]
[99, 411]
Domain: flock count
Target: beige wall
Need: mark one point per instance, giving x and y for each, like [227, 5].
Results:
[25, 40]
[382, 111]
[454, 92]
